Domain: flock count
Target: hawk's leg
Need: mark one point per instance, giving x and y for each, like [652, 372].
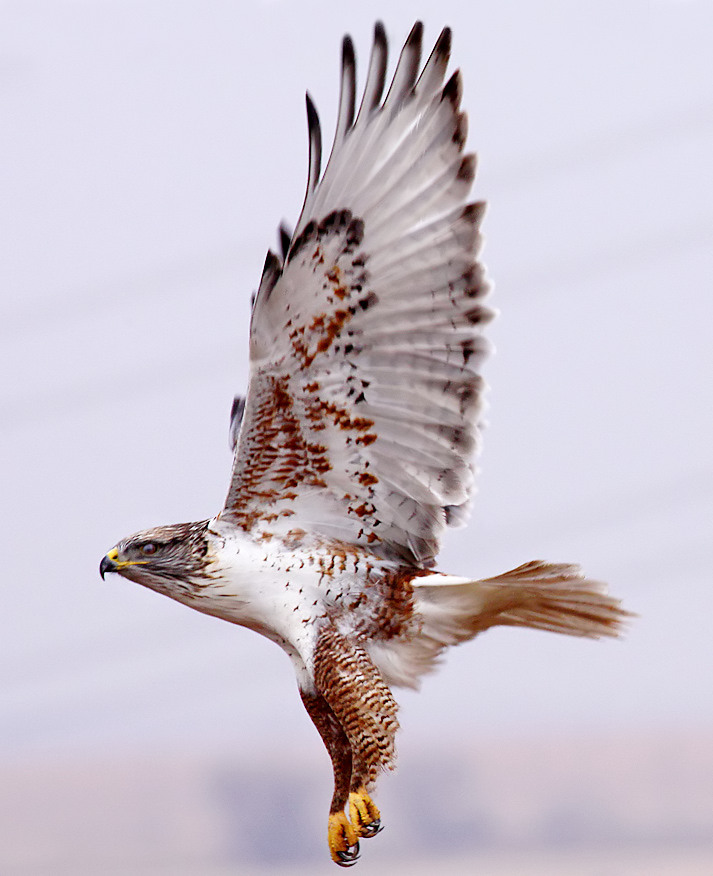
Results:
[363, 812]
[342, 837]
[362, 704]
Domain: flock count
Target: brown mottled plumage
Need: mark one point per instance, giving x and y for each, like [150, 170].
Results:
[353, 447]
[361, 702]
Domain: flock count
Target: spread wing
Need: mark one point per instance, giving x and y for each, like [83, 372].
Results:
[360, 420]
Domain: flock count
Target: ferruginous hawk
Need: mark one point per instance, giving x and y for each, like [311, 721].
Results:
[353, 447]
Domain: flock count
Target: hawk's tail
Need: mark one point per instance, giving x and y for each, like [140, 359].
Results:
[544, 596]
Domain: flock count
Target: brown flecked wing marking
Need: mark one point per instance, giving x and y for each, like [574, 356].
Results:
[360, 421]
[361, 700]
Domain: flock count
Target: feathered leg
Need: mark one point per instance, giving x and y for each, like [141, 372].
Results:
[342, 836]
[364, 707]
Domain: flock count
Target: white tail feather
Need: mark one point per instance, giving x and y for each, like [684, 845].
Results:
[544, 596]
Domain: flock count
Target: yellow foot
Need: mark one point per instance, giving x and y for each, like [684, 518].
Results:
[364, 815]
[343, 840]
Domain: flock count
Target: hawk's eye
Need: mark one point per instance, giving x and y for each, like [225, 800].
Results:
[148, 549]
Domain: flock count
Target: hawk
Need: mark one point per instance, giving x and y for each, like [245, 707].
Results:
[353, 446]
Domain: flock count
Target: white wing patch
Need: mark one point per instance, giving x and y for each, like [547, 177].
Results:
[360, 421]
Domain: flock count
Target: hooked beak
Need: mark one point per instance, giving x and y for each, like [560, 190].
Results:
[112, 563]
[107, 565]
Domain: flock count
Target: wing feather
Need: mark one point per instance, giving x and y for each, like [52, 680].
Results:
[376, 77]
[360, 420]
[315, 145]
[347, 93]
[404, 80]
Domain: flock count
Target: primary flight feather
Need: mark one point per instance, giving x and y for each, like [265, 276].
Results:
[353, 447]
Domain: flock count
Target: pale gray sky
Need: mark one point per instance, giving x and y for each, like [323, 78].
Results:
[150, 150]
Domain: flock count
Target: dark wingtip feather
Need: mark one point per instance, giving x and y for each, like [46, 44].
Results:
[474, 212]
[435, 67]
[312, 116]
[270, 274]
[443, 43]
[460, 134]
[347, 93]
[376, 77]
[411, 52]
[415, 36]
[380, 35]
[285, 236]
[453, 89]
[466, 171]
[272, 263]
[315, 143]
[348, 56]
[404, 79]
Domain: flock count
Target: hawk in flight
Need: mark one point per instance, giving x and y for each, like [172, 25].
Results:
[353, 447]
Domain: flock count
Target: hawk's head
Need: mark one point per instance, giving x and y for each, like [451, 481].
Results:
[163, 558]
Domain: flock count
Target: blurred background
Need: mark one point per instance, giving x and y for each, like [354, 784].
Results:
[149, 151]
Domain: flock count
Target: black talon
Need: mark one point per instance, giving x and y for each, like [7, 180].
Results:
[348, 858]
[370, 830]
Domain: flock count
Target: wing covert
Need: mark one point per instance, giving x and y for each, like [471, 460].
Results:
[360, 421]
